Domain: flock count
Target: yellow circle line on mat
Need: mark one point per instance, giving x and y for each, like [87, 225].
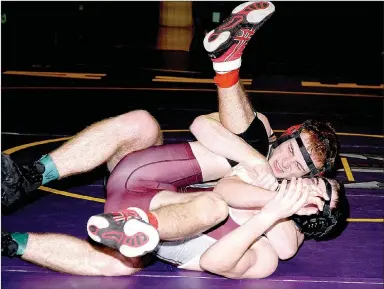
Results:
[72, 195]
[24, 146]
[100, 200]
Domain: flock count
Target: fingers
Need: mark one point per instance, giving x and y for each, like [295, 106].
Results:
[292, 187]
[274, 186]
[282, 189]
[316, 201]
[318, 192]
[301, 201]
[268, 181]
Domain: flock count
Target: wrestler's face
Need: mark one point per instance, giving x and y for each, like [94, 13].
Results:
[287, 160]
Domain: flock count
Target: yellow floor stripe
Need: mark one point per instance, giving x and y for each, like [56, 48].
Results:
[359, 134]
[194, 80]
[365, 220]
[24, 146]
[190, 78]
[281, 130]
[72, 195]
[341, 85]
[347, 169]
[185, 89]
[56, 74]
[100, 200]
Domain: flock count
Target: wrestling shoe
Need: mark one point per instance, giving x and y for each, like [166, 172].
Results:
[8, 245]
[17, 181]
[226, 43]
[128, 231]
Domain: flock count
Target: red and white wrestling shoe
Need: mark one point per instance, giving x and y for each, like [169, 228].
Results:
[127, 231]
[226, 43]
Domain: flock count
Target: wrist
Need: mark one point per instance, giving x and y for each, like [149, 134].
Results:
[270, 214]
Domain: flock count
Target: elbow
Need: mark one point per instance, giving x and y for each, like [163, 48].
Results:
[207, 263]
[287, 253]
[199, 124]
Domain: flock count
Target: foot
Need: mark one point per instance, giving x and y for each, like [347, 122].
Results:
[127, 231]
[17, 181]
[226, 43]
[8, 245]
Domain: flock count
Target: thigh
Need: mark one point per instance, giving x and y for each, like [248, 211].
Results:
[140, 176]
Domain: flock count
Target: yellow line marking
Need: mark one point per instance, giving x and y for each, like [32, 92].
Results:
[340, 85]
[193, 80]
[365, 220]
[185, 89]
[100, 200]
[24, 146]
[347, 169]
[56, 74]
[177, 77]
[72, 195]
[280, 130]
[359, 134]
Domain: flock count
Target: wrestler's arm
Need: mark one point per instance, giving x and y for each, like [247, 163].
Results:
[284, 238]
[214, 136]
[240, 259]
[71, 255]
[241, 195]
[283, 235]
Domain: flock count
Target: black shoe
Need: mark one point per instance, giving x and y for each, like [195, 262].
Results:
[17, 182]
[8, 245]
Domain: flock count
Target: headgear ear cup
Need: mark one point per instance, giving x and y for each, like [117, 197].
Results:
[318, 225]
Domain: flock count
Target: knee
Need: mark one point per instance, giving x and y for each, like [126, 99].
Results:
[204, 122]
[140, 125]
[215, 204]
[198, 124]
[117, 266]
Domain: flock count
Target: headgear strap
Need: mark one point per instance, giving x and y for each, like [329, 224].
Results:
[312, 169]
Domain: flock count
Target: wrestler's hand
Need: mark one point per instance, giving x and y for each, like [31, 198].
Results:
[314, 204]
[244, 173]
[317, 192]
[259, 175]
[289, 199]
[315, 200]
[266, 181]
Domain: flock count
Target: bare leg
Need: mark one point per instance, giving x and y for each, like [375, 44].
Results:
[162, 218]
[193, 213]
[235, 109]
[107, 140]
[71, 255]
[225, 46]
